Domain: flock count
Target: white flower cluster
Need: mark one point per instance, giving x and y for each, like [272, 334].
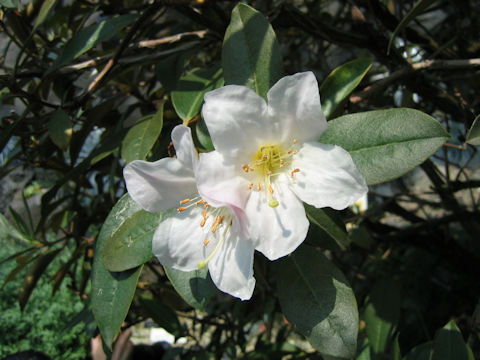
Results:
[248, 193]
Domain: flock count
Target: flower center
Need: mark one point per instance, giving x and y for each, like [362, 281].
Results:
[269, 161]
[216, 223]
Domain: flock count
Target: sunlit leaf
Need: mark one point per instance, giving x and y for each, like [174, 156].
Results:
[44, 11]
[473, 135]
[60, 129]
[386, 144]
[330, 223]
[251, 55]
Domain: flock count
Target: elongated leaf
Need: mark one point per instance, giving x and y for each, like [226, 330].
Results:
[251, 55]
[329, 221]
[203, 135]
[7, 230]
[195, 287]
[449, 344]
[382, 314]
[89, 37]
[416, 10]
[112, 293]
[164, 316]
[187, 98]
[44, 11]
[60, 129]
[317, 299]
[473, 135]
[130, 245]
[386, 144]
[36, 270]
[341, 82]
[142, 136]
[420, 352]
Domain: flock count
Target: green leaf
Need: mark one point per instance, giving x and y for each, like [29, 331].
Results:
[44, 11]
[420, 352]
[12, 4]
[142, 136]
[382, 314]
[473, 135]
[341, 82]
[330, 223]
[317, 299]
[187, 98]
[7, 230]
[89, 37]
[195, 287]
[449, 344]
[203, 135]
[130, 245]
[112, 293]
[396, 353]
[163, 315]
[386, 144]
[251, 55]
[60, 129]
[416, 10]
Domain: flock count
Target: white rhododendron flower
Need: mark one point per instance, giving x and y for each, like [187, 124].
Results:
[204, 231]
[267, 152]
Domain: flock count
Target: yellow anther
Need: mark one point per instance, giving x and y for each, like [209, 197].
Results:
[202, 223]
[184, 201]
[182, 208]
[270, 189]
[246, 168]
[205, 242]
[292, 174]
[218, 221]
[205, 213]
[259, 187]
[250, 186]
[200, 202]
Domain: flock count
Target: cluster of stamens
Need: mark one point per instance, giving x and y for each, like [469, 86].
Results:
[221, 216]
[267, 162]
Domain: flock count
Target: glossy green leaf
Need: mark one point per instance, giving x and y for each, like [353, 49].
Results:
[251, 55]
[60, 129]
[416, 10]
[47, 6]
[112, 292]
[381, 314]
[317, 299]
[330, 223]
[203, 135]
[473, 135]
[142, 136]
[449, 344]
[341, 82]
[195, 287]
[163, 315]
[89, 37]
[386, 144]
[130, 245]
[187, 98]
[12, 4]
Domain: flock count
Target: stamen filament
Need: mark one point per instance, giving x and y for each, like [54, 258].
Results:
[202, 264]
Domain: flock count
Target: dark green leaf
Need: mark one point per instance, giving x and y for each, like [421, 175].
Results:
[130, 245]
[317, 299]
[203, 135]
[36, 270]
[473, 135]
[44, 11]
[169, 70]
[341, 82]
[330, 222]
[60, 129]
[7, 230]
[9, 3]
[449, 344]
[89, 37]
[164, 316]
[187, 98]
[416, 10]
[251, 55]
[386, 144]
[396, 353]
[142, 136]
[195, 287]
[381, 314]
[112, 293]
[420, 352]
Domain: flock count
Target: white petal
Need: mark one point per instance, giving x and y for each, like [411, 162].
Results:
[218, 181]
[231, 268]
[159, 185]
[178, 240]
[294, 105]
[277, 231]
[236, 118]
[327, 176]
[184, 147]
